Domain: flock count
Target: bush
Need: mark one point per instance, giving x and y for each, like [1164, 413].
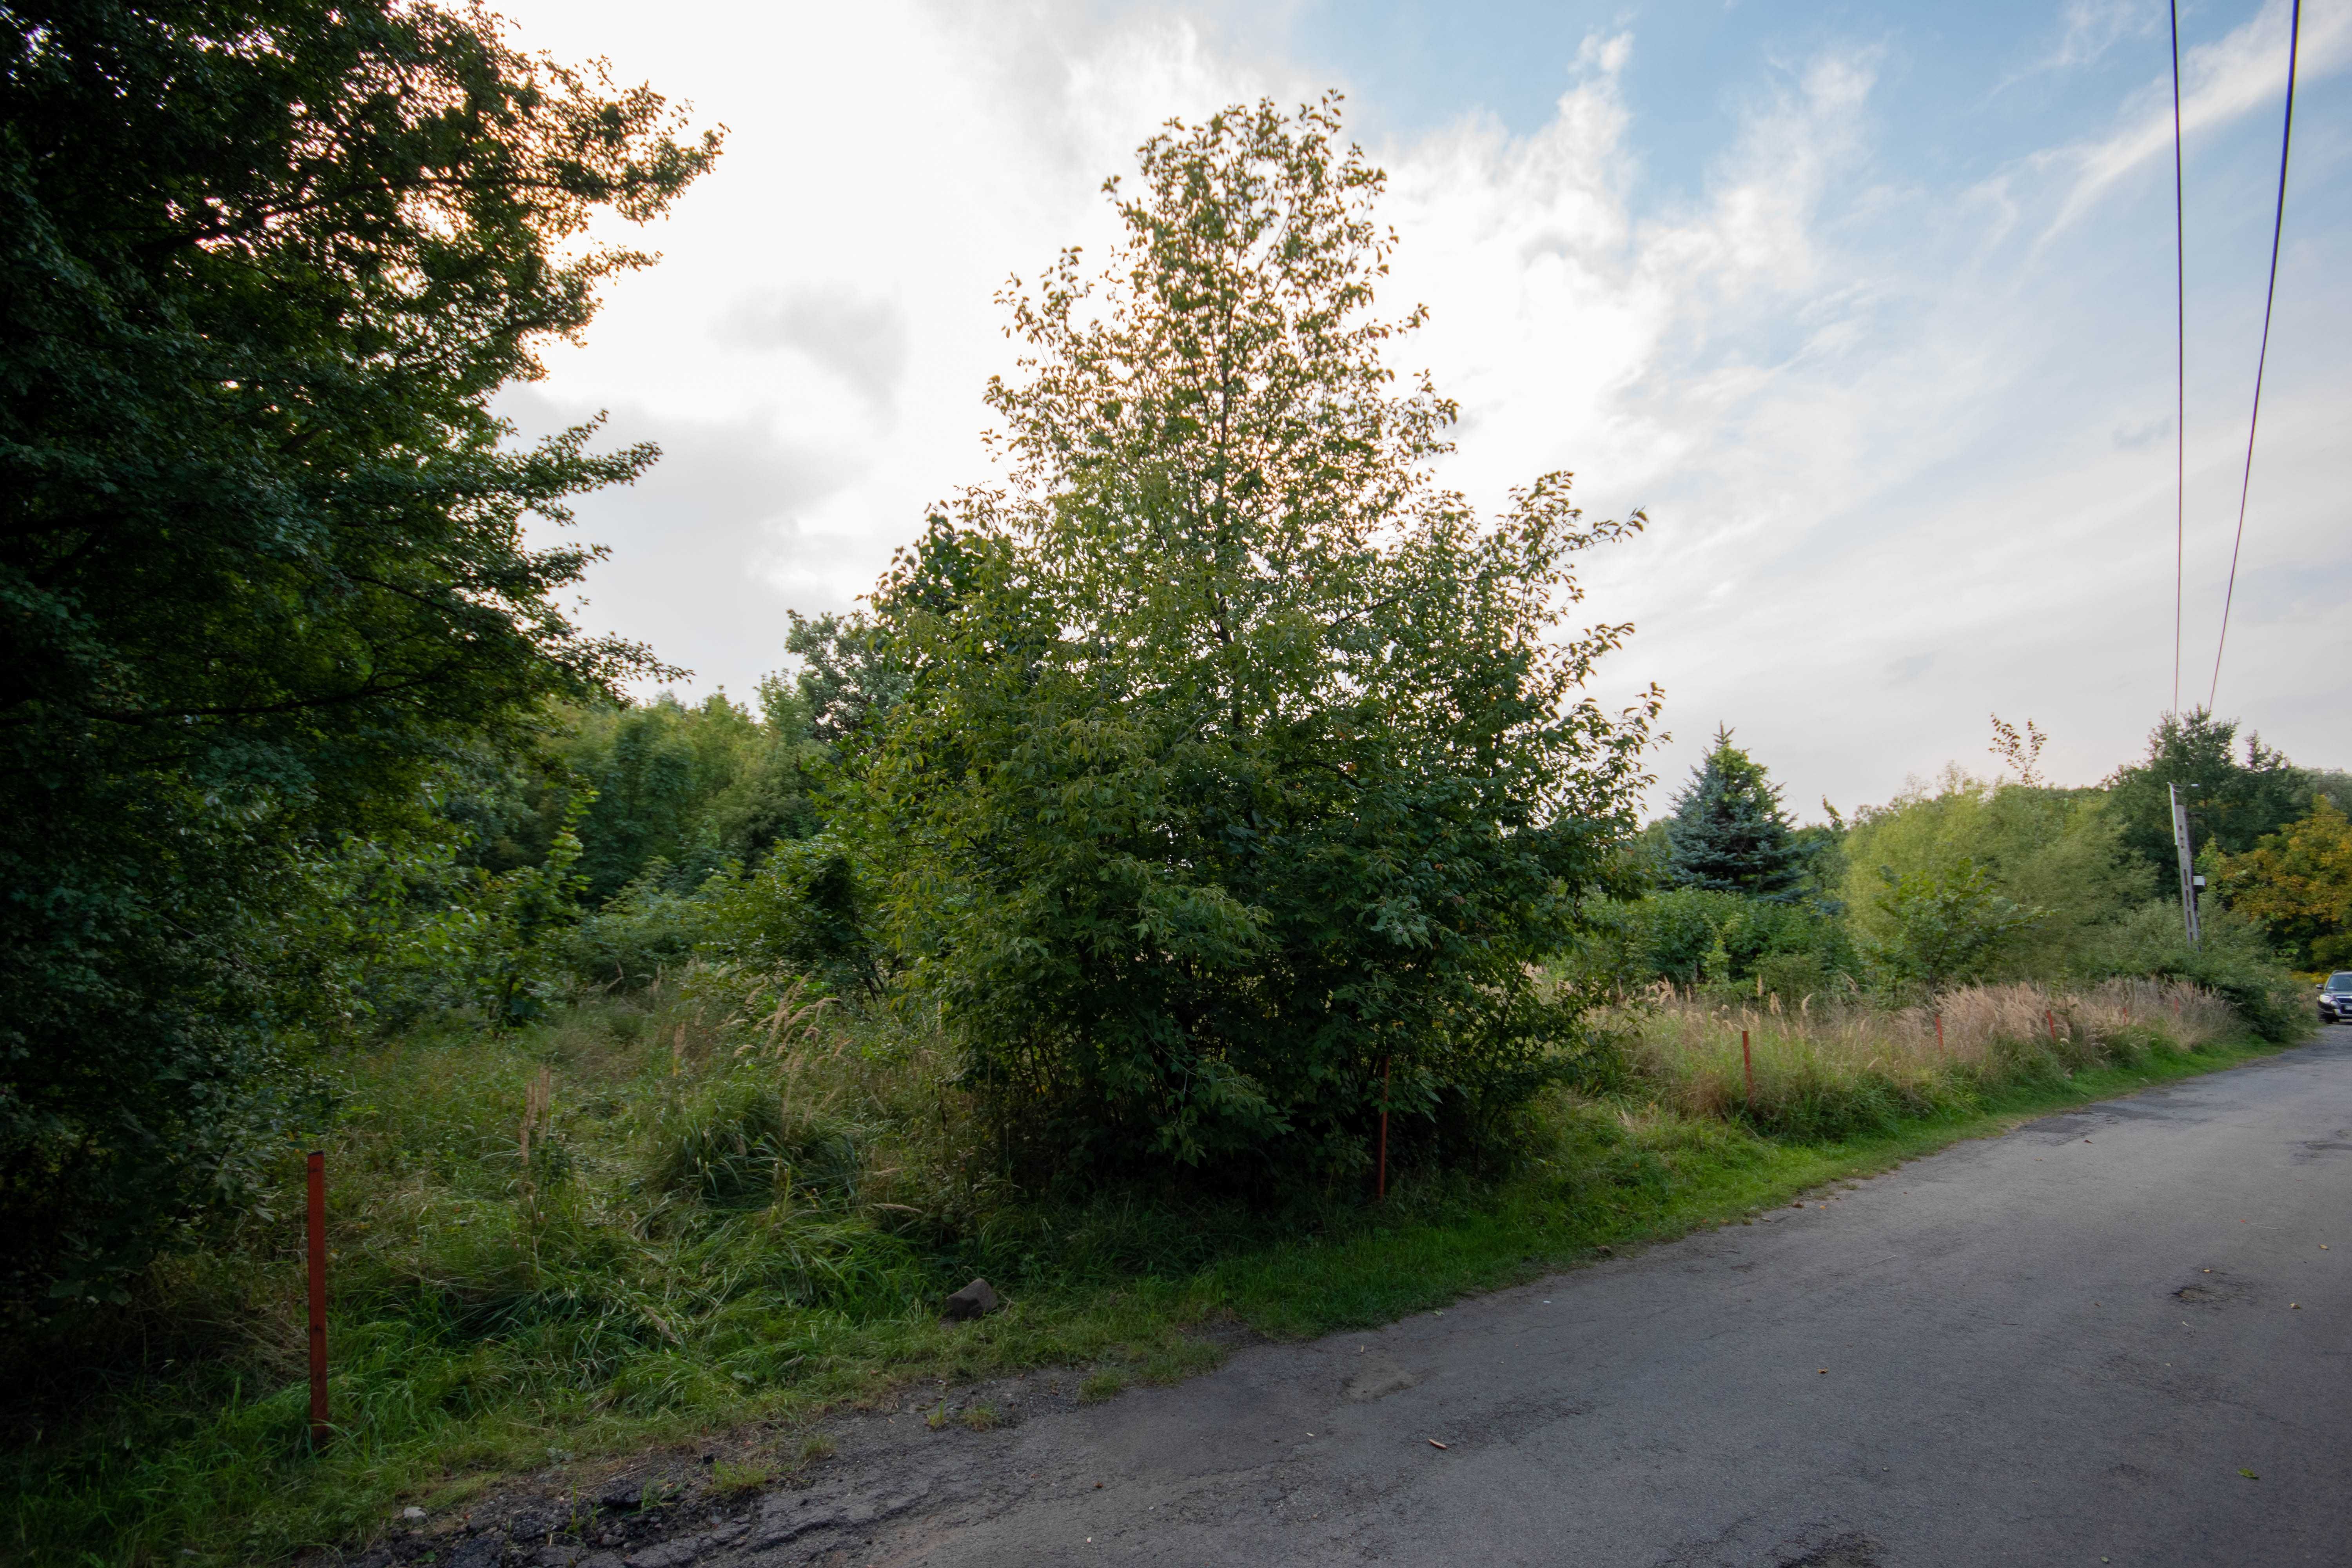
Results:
[2058, 852]
[2234, 961]
[1696, 936]
[648, 927]
[805, 908]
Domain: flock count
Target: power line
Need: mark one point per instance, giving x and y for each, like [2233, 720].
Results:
[2278, 222]
[2179, 371]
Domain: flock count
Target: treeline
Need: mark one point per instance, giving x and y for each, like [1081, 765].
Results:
[716, 830]
[1967, 879]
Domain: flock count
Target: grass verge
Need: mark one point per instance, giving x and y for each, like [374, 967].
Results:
[628, 1228]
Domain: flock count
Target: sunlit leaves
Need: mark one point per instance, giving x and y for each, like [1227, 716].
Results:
[1240, 757]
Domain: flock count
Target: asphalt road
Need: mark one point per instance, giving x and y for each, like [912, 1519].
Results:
[2120, 1335]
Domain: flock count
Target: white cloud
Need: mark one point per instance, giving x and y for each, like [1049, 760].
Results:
[1904, 463]
[2092, 28]
[2219, 82]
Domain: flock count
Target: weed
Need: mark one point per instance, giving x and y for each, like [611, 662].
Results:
[1102, 1385]
[981, 1417]
[732, 1480]
[1845, 1066]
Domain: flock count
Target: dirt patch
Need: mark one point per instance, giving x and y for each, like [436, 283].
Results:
[835, 1484]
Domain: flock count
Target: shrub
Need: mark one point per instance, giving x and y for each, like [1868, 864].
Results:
[2057, 851]
[2233, 960]
[805, 907]
[1947, 923]
[1694, 936]
[649, 927]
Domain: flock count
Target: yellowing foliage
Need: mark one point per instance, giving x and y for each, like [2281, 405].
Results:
[2298, 883]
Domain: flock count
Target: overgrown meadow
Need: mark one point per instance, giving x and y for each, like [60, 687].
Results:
[709, 1205]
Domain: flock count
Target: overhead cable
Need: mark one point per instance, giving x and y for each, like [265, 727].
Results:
[2278, 222]
[2179, 372]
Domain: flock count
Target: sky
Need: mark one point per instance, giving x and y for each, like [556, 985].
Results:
[1869, 308]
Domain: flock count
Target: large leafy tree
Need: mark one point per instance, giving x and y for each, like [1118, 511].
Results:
[262, 558]
[1728, 833]
[2231, 803]
[1240, 759]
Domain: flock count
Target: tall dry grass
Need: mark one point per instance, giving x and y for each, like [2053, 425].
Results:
[1838, 1065]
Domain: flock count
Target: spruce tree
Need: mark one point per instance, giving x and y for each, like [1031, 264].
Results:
[1728, 832]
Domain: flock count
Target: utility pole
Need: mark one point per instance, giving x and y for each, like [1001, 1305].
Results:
[2189, 877]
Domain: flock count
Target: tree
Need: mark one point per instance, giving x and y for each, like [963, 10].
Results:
[695, 787]
[1728, 833]
[1240, 772]
[2021, 750]
[848, 676]
[2231, 803]
[262, 561]
[1948, 923]
[2298, 883]
[2057, 850]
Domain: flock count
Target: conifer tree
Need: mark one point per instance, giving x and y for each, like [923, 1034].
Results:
[1728, 832]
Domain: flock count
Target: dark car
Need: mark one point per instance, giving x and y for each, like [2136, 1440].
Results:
[2336, 998]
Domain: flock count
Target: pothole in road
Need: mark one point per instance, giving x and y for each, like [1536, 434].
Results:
[2213, 1290]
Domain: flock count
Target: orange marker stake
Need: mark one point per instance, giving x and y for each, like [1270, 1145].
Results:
[1940, 1031]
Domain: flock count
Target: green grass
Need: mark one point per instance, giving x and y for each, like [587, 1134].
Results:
[714, 1229]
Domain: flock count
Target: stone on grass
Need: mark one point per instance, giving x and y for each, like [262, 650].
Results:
[976, 1300]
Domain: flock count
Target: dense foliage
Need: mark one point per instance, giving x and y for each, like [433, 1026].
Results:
[2049, 870]
[1959, 881]
[262, 562]
[1241, 776]
[2231, 803]
[2297, 883]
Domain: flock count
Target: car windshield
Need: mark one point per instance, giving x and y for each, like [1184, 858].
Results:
[2340, 982]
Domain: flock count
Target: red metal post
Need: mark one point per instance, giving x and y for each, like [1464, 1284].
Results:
[1940, 1031]
[1382, 1193]
[318, 1300]
[2051, 1019]
[1749, 1063]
